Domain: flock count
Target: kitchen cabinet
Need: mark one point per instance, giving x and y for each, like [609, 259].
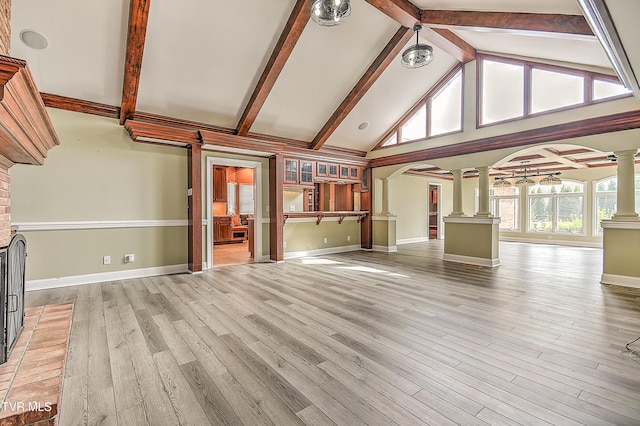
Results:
[306, 172]
[221, 229]
[220, 183]
[290, 171]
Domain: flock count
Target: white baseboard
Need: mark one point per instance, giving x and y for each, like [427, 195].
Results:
[320, 252]
[480, 261]
[620, 280]
[591, 244]
[99, 277]
[412, 240]
[385, 249]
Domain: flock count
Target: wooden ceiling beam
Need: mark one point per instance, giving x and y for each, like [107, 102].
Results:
[79, 105]
[375, 70]
[531, 166]
[507, 21]
[407, 14]
[287, 41]
[402, 11]
[450, 43]
[138, 17]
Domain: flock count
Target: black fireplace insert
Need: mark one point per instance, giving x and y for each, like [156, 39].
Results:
[12, 267]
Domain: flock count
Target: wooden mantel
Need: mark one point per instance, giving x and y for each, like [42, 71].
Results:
[26, 131]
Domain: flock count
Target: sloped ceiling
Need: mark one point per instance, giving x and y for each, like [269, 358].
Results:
[202, 60]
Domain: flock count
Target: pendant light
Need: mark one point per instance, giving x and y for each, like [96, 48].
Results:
[329, 13]
[417, 55]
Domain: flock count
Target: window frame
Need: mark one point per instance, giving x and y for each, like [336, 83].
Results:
[494, 205]
[554, 203]
[594, 232]
[529, 66]
[425, 101]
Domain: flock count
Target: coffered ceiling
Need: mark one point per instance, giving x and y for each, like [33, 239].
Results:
[256, 67]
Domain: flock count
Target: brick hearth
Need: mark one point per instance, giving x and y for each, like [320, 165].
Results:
[31, 380]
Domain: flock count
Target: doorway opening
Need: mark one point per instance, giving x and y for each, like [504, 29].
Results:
[233, 212]
[433, 211]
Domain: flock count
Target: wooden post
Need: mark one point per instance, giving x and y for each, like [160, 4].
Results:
[366, 225]
[194, 196]
[276, 214]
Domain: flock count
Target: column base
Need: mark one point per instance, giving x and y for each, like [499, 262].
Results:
[472, 240]
[621, 251]
[384, 233]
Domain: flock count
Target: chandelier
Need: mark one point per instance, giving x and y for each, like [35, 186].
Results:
[417, 55]
[524, 177]
[329, 13]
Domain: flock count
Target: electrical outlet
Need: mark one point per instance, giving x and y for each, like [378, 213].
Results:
[325, 241]
[348, 237]
[284, 244]
[106, 260]
[129, 258]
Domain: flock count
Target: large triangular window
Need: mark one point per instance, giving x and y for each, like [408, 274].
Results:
[512, 89]
[438, 113]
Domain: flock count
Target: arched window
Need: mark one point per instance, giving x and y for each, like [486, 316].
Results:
[556, 208]
[606, 200]
[505, 203]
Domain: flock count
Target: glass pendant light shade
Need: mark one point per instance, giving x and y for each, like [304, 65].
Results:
[419, 54]
[551, 180]
[501, 183]
[329, 13]
[525, 181]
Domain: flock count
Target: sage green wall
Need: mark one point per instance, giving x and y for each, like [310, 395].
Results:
[384, 234]
[55, 254]
[408, 201]
[98, 174]
[307, 236]
[473, 240]
[622, 252]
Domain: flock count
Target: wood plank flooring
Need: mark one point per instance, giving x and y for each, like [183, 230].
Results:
[357, 339]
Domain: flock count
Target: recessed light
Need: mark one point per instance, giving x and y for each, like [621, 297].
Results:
[363, 125]
[34, 39]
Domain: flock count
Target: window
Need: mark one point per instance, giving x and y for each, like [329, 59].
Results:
[438, 113]
[446, 107]
[231, 198]
[515, 89]
[392, 140]
[504, 203]
[557, 208]
[246, 199]
[502, 91]
[603, 89]
[416, 127]
[606, 196]
[552, 90]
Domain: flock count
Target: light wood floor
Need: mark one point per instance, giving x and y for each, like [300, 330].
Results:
[231, 254]
[358, 338]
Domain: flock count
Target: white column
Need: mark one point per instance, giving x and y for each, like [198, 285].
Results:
[483, 192]
[457, 193]
[385, 197]
[626, 191]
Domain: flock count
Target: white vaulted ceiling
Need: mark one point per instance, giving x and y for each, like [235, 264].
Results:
[202, 60]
